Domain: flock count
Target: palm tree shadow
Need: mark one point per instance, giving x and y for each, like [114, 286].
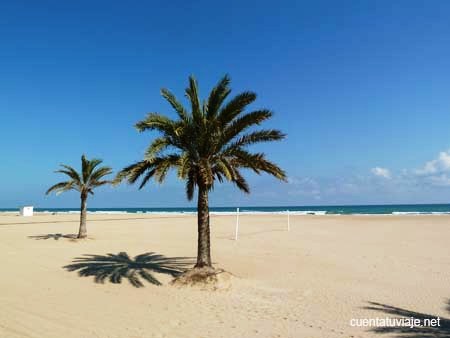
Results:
[115, 267]
[441, 331]
[53, 236]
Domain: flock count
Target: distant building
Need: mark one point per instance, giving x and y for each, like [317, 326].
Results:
[26, 211]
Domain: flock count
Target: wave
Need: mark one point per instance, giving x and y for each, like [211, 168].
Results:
[170, 212]
[418, 209]
[101, 212]
[248, 212]
[420, 212]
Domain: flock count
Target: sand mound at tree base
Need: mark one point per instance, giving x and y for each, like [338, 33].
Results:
[206, 278]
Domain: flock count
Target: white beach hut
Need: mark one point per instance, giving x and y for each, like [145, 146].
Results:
[26, 211]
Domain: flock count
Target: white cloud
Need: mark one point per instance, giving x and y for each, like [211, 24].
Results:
[437, 166]
[381, 172]
[435, 172]
[429, 182]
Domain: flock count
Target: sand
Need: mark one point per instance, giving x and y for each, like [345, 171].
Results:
[309, 282]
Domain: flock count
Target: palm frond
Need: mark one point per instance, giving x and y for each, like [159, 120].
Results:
[155, 167]
[158, 145]
[223, 168]
[164, 164]
[68, 173]
[256, 137]
[184, 166]
[244, 122]
[192, 95]
[84, 168]
[167, 94]
[147, 177]
[235, 107]
[257, 162]
[218, 96]
[241, 183]
[155, 121]
[94, 163]
[100, 183]
[191, 182]
[99, 174]
[134, 171]
[71, 172]
[87, 167]
[62, 187]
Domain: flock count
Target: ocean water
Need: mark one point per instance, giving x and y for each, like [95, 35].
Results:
[400, 209]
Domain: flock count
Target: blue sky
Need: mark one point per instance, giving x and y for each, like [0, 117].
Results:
[360, 87]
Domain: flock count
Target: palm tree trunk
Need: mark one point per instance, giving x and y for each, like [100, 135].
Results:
[203, 246]
[82, 233]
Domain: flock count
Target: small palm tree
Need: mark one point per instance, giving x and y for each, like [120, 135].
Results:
[90, 177]
[205, 145]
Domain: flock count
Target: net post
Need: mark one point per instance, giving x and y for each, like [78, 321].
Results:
[237, 225]
[288, 221]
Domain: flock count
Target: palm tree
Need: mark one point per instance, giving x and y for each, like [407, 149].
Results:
[206, 144]
[91, 177]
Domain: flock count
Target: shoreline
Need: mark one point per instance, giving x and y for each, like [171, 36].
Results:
[226, 213]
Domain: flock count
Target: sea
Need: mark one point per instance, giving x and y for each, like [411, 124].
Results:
[389, 209]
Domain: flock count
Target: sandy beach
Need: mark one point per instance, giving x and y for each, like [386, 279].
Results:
[308, 282]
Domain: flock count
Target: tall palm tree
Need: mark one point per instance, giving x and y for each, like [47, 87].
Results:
[91, 177]
[206, 143]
